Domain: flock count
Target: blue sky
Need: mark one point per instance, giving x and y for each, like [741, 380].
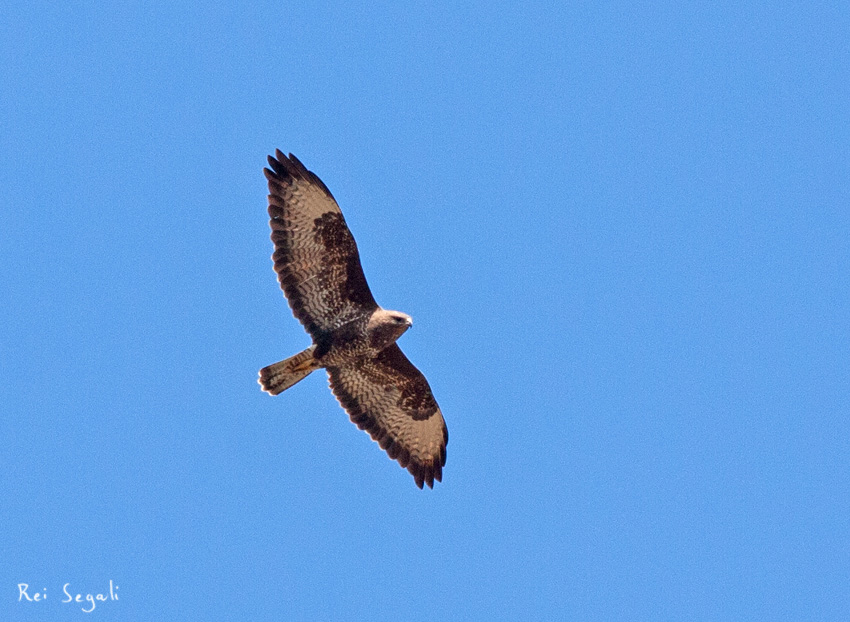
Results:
[622, 230]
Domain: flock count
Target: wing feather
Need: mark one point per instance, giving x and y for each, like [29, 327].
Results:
[391, 399]
[315, 256]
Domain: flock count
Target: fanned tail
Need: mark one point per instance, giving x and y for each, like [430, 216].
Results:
[278, 377]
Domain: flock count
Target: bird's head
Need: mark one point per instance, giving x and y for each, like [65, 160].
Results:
[386, 326]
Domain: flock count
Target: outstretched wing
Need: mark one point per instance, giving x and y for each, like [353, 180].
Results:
[315, 255]
[390, 399]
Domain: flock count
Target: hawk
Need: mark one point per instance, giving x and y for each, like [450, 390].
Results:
[354, 339]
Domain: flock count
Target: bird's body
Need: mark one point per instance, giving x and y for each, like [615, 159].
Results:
[319, 270]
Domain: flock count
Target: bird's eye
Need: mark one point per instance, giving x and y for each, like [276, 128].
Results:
[400, 320]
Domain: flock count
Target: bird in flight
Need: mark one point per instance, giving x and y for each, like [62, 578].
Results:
[354, 339]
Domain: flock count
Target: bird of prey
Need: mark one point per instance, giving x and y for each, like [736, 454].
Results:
[354, 339]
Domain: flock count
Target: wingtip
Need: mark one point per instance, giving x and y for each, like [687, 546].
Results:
[280, 165]
[424, 475]
[284, 167]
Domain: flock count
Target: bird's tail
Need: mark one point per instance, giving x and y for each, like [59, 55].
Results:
[280, 376]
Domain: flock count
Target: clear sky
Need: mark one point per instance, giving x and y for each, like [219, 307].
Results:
[623, 232]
